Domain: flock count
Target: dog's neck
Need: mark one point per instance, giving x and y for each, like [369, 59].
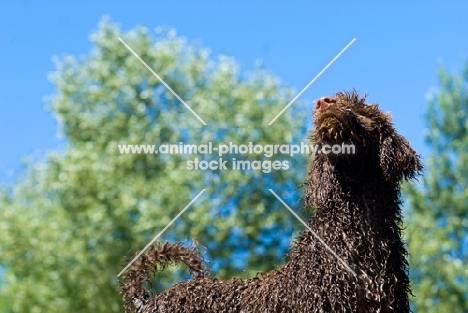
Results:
[351, 215]
[331, 191]
[357, 220]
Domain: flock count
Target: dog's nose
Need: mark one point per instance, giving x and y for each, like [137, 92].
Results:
[324, 103]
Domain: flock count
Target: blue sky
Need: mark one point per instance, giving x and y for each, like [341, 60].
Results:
[395, 58]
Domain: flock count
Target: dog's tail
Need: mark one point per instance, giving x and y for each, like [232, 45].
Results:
[157, 258]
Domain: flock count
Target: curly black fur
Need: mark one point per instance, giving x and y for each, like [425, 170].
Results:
[357, 214]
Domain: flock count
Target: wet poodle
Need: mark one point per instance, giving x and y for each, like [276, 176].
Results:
[359, 265]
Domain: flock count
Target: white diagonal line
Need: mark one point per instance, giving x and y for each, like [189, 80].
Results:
[160, 233]
[161, 80]
[315, 235]
[313, 80]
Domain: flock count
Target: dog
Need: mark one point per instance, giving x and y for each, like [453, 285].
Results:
[350, 258]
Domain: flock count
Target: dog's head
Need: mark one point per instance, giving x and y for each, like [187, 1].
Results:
[360, 138]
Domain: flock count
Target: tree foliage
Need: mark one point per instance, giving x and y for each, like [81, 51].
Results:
[438, 226]
[68, 222]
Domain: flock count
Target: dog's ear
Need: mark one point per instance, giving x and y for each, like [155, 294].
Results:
[397, 159]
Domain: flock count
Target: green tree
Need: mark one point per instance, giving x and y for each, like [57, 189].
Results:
[69, 220]
[437, 231]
